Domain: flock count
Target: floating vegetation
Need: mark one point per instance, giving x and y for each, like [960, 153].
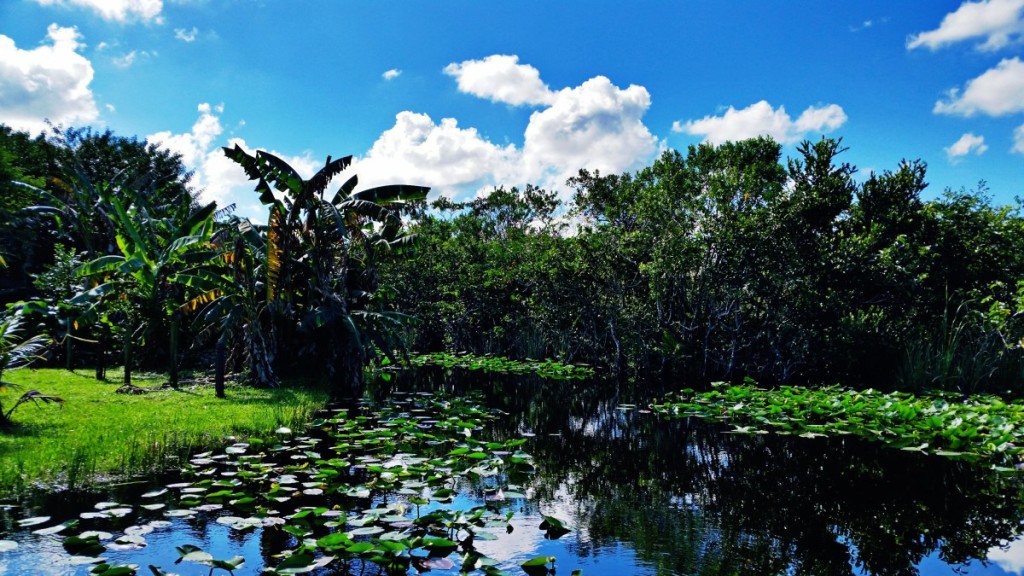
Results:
[977, 426]
[378, 487]
[548, 369]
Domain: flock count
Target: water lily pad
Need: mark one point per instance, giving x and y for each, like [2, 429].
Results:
[33, 521]
[138, 530]
[93, 515]
[200, 556]
[366, 531]
[84, 560]
[179, 513]
[8, 545]
[56, 529]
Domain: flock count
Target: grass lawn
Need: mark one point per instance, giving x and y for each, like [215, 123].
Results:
[98, 434]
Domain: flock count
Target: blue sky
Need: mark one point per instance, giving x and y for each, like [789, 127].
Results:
[462, 96]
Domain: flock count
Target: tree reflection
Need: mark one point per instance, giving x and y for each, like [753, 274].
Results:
[690, 499]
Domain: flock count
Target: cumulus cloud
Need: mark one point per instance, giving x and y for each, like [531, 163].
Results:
[186, 36]
[217, 177]
[998, 22]
[1009, 557]
[47, 82]
[116, 10]
[997, 92]
[595, 125]
[391, 74]
[967, 144]
[501, 78]
[760, 119]
[416, 150]
[1018, 140]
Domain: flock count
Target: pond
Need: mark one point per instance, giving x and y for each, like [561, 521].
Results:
[638, 494]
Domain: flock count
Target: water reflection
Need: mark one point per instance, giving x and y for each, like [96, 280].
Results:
[688, 499]
[655, 497]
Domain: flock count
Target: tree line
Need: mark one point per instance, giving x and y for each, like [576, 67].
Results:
[108, 250]
[727, 262]
[723, 262]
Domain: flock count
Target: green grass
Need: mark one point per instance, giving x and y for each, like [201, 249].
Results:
[99, 435]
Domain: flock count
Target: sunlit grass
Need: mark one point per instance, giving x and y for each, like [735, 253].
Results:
[98, 434]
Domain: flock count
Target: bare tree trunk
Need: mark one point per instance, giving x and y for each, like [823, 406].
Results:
[127, 358]
[218, 379]
[174, 351]
[101, 359]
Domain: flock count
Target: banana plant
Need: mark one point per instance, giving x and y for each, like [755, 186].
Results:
[230, 305]
[16, 352]
[320, 276]
[152, 251]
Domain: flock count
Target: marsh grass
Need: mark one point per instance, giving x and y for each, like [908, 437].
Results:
[99, 435]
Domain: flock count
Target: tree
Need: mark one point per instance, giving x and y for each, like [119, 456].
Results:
[152, 250]
[321, 255]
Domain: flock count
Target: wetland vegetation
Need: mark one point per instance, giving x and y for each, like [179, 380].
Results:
[537, 366]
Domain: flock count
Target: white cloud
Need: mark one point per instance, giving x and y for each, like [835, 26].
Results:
[997, 92]
[391, 74]
[501, 78]
[128, 59]
[116, 10]
[195, 144]
[219, 178]
[443, 156]
[1018, 140]
[967, 144]
[186, 36]
[760, 119]
[999, 22]
[1010, 557]
[47, 82]
[595, 125]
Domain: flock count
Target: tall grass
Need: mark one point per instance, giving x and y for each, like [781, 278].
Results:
[961, 354]
[99, 434]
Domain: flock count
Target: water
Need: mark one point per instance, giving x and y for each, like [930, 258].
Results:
[648, 496]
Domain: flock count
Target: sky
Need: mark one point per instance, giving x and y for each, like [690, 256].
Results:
[463, 96]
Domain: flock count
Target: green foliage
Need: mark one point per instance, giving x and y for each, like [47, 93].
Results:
[17, 351]
[726, 261]
[981, 426]
[412, 460]
[320, 274]
[548, 369]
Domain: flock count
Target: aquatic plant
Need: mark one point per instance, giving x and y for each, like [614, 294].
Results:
[547, 369]
[374, 487]
[948, 424]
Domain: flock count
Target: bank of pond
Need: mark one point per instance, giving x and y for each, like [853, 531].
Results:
[443, 469]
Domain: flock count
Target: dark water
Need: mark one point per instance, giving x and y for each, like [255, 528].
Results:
[649, 496]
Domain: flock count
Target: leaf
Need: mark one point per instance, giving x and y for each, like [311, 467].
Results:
[232, 564]
[538, 561]
[56, 529]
